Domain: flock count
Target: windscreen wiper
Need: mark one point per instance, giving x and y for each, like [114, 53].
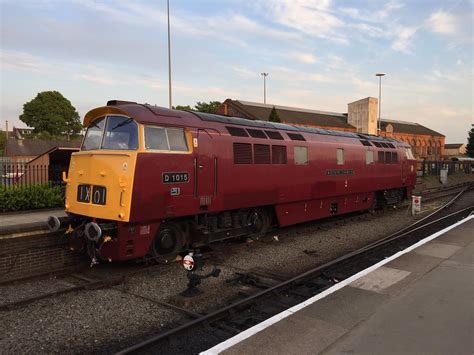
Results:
[123, 123]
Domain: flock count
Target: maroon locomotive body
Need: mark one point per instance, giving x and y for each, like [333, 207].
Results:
[171, 179]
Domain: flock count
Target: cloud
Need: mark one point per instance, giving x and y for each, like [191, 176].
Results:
[442, 22]
[18, 60]
[244, 72]
[313, 18]
[402, 42]
[303, 57]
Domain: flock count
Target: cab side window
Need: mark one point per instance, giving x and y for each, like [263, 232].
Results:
[165, 138]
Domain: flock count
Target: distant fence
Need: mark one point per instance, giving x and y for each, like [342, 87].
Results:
[24, 174]
[426, 168]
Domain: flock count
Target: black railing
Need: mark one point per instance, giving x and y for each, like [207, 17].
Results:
[426, 167]
[25, 174]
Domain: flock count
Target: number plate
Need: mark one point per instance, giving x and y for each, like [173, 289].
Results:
[84, 193]
[88, 193]
[174, 178]
[99, 194]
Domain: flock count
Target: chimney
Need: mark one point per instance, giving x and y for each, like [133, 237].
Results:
[6, 139]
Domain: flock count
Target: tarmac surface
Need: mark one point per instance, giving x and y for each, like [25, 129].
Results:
[420, 302]
[21, 221]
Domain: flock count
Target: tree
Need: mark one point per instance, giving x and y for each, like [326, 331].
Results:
[274, 116]
[182, 108]
[50, 112]
[470, 144]
[210, 107]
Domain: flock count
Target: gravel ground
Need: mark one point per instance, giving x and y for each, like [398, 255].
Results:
[106, 319]
[79, 323]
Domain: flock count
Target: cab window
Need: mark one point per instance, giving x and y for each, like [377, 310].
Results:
[165, 138]
[94, 134]
[120, 133]
[111, 132]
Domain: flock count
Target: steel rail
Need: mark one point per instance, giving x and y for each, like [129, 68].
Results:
[216, 314]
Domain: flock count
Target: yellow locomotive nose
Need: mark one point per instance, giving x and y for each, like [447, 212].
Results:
[99, 184]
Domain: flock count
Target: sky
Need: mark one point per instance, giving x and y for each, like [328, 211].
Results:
[320, 54]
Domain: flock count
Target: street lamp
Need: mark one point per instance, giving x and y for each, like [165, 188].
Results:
[169, 58]
[264, 87]
[380, 99]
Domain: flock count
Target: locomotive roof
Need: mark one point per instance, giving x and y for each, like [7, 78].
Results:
[145, 113]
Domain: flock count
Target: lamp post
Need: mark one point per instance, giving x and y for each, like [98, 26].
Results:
[169, 58]
[380, 100]
[264, 87]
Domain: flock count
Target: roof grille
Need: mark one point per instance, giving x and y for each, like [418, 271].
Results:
[366, 143]
[237, 132]
[120, 102]
[274, 135]
[256, 133]
[296, 136]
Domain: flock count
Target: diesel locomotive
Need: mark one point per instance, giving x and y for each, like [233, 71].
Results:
[149, 182]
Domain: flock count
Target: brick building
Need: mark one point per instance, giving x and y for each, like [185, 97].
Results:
[425, 142]
[361, 117]
[454, 150]
[292, 115]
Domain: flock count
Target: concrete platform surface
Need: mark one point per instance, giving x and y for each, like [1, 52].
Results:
[419, 303]
[17, 222]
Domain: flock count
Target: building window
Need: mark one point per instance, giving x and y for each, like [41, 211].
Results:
[340, 156]
[369, 157]
[301, 155]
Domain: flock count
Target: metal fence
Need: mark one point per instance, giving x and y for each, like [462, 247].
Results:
[24, 174]
[426, 168]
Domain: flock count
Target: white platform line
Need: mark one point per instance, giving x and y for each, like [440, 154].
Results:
[276, 318]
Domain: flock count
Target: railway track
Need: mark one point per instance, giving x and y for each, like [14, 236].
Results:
[255, 277]
[207, 330]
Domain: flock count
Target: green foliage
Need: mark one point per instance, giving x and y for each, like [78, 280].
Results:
[209, 107]
[182, 108]
[274, 116]
[18, 198]
[3, 137]
[50, 112]
[470, 144]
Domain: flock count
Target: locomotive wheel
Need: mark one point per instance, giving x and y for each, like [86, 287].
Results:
[258, 222]
[168, 242]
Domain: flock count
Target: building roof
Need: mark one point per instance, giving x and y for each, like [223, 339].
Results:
[453, 145]
[408, 127]
[35, 147]
[258, 111]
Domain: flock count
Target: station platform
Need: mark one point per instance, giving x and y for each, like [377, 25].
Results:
[420, 301]
[24, 221]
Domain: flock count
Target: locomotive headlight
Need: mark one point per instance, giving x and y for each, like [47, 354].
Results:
[93, 231]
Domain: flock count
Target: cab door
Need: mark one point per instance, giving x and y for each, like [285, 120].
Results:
[205, 168]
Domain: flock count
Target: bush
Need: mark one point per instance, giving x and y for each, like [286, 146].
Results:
[18, 198]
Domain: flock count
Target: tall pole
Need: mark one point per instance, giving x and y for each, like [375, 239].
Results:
[264, 87]
[169, 58]
[380, 101]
